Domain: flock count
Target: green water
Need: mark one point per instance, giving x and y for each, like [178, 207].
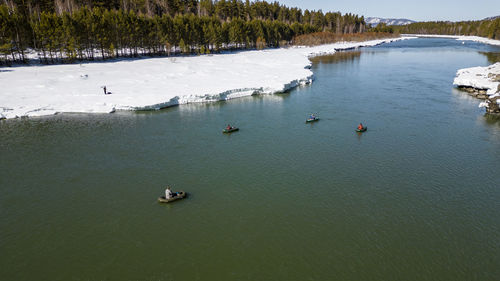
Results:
[416, 197]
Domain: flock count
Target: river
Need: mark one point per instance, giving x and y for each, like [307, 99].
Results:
[416, 197]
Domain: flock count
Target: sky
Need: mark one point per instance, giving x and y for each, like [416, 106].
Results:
[418, 10]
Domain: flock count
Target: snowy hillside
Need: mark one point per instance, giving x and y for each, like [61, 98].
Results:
[375, 21]
[492, 18]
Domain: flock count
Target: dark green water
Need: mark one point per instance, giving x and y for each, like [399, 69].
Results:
[414, 198]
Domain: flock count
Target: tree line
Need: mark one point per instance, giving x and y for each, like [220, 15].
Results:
[484, 28]
[69, 30]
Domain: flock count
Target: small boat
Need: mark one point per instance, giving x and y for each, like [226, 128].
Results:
[362, 130]
[309, 120]
[177, 196]
[233, 129]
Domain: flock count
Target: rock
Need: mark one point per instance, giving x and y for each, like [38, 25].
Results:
[482, 83]
[494, 77]
[477, 93]
[481, 94]
[467, 89]
[493, 106]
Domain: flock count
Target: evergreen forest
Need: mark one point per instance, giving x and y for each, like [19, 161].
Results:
[57, 31]
[489, 28]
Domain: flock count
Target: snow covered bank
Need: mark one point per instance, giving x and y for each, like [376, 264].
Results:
[482, 82]
[155, 83]
[458, 37]
[485, 80]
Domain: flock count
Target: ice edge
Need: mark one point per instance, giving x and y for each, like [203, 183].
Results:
[31, 110]
[245, 92]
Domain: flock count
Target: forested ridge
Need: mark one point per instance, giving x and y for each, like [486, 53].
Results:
[489, 28]
[69, 30]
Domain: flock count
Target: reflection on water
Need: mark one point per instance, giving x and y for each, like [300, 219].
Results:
[462, 94]
[275, 100]
[492, 119]
[492, 57]
[342, 56]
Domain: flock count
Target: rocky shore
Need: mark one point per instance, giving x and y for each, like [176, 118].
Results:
[482, 83]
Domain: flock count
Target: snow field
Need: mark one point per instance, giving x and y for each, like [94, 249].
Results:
[154, 83]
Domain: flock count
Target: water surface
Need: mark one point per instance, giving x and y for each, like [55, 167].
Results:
[414, 198]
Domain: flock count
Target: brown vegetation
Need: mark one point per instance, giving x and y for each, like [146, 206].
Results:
[340, 56]
[320, 38]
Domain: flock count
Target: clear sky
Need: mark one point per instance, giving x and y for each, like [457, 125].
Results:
[419, 10]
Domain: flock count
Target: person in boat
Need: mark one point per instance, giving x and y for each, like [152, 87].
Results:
[168, 193]
[228, 127]
[312, 116]
[360, 126]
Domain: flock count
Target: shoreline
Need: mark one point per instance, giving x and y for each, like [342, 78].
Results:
[482, 83]
[156, 83]
[483, 40]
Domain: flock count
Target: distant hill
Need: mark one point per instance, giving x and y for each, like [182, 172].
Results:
[375, 21]
[492, 18]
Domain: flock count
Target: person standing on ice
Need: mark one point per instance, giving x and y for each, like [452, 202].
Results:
[105, 92]
[168, 193]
